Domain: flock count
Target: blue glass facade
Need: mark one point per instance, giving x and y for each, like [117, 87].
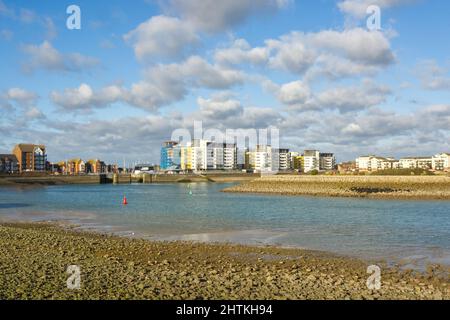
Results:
[170, 156]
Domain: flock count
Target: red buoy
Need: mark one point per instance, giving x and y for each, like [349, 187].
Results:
[125, 202]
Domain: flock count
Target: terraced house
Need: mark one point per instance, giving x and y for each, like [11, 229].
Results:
[30, 157]
[8, 163]
[76, 166]
[95, 166]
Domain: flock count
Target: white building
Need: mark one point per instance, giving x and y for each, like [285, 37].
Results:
[260, 159]
[441, 162]
[416, 163]
[199, 155]
[284, 159]
[311, 160]
[221, 156]
[327, 161]
[374, 163]
[292, 156]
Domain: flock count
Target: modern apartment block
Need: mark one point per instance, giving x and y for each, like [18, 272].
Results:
[374, 163]
[8, 163]
[30, 157]
[284, 159]
[221, 156]
[259, 159]
[170, 156]
[327, 161]
[198, 155]
[311, 160]
[416, 163]
[439, 162]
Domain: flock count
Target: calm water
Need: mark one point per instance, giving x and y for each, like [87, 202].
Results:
[415, 231]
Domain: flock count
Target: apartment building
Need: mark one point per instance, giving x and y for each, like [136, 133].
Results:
[76, 166]
[95, 166]
[170, 156]
[199, 154]
[441, 162]
[298, 163]
[8, 163]
[260, 159]
[30, 157]
[327, 161]
[416, 163]
[311, 159]
[374, 163]
[221, 156]
[284, 159]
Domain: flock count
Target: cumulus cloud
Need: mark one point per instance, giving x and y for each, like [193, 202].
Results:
[21, 96]
[297, 96]
[240, 52]
[347, 99]
[432, 76]
[161, 36]
[331, 53]
[45, 56]
[19, 106]
[293, 93]
[84, 97]
[214, 16]
[219, 107]
[162, 85]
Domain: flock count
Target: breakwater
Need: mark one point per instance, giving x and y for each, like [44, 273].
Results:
[385, 187]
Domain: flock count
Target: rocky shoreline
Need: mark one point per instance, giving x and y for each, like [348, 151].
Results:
[378, 187]
[34, 259]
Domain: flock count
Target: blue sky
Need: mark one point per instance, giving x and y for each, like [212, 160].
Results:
[134, 73]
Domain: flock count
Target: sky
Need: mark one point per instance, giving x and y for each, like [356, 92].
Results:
[136, 71]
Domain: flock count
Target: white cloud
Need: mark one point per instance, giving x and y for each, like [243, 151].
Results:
[347, 99]
[21, 96]
[214, 16]
[45, 56]
[432, 76]
[19, 106]
[329, 53]
[161, 36]
[84, 97]
[363, 46]
[241, 52]
[161, 86]
[297, 96]
[219, 107]
[292, 93]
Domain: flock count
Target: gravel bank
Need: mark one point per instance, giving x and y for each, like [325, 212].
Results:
[34, 259]
[384, 187]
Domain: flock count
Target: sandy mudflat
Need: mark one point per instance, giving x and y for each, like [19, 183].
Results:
[34, 259]
[384, 187]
